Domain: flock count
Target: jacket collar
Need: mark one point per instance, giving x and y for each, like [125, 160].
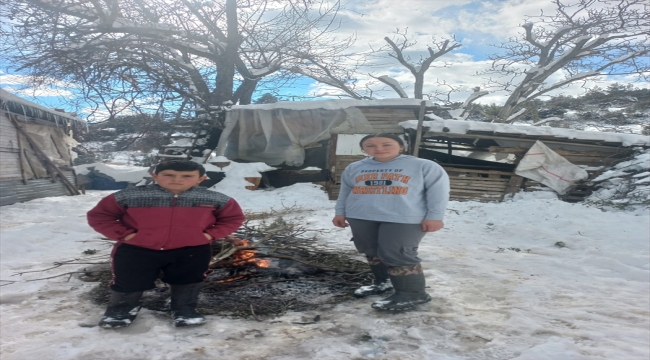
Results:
[169, 192]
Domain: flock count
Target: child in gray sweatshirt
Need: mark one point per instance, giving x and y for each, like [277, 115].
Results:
[391, 201]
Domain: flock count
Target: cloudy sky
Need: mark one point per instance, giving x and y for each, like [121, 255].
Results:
[475, 24]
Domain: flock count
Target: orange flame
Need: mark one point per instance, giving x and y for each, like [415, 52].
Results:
[241, 257]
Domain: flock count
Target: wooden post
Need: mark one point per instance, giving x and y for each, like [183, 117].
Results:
[514, 185]
[20, 159]
[418, 134]
[73, 190]
[29, 162]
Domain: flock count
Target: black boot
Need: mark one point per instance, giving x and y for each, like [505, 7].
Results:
[122, 310]
[381, 285]
[184, 301]
[409, 291]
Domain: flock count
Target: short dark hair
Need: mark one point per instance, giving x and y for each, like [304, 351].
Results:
[180, 165]
[382, 135]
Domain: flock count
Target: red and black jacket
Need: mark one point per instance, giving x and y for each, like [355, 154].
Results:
[163, 220]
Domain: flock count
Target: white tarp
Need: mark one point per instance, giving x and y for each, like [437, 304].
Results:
[549, 168]
[280, 136]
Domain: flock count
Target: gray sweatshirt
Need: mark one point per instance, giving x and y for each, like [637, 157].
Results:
[404, 190]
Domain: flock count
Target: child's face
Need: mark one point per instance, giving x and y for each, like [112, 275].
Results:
[382, 149]
[178, 181]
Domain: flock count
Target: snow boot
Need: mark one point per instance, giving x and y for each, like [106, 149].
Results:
[409, 291]
[382, 282]
[122, 310]
[184, 301]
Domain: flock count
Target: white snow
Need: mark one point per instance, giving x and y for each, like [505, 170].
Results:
[624, 185]
[236, 174]
[640, 162]
[394, 84]
[462, 127]
[182, 142]
[533, 278]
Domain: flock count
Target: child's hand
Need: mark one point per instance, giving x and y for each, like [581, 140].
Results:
[339, 221]
[432, 225]
[129, 237]
[208, 236]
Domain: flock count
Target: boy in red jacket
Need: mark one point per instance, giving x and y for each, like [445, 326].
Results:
[165, 227]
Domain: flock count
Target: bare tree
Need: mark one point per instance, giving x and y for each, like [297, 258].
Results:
[398, 48]
[203, 54]
[344, 72]
[586, 39]
[338, 71]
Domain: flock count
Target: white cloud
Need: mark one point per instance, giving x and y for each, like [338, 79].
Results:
[38, 92]
[477, 24]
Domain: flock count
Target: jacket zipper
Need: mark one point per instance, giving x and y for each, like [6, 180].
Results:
[171, 219]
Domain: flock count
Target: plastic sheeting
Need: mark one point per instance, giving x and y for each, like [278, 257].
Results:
[280, 136]
[549, 168]
[52, 141]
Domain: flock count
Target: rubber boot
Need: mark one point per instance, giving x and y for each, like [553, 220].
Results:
[122, 310]
[409, 291]
[184, 301]
[381, 284]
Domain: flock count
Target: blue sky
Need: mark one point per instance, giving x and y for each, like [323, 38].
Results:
[476, 24]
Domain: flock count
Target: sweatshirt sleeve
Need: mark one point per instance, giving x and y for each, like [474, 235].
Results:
[436, 185]
[346, 188]
[106, 219]
[229, 218]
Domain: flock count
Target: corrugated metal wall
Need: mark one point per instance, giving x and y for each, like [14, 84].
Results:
[15, 191]
[9, 158]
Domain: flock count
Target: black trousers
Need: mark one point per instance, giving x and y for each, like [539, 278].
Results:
[136, 268]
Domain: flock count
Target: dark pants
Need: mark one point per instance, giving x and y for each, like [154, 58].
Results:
[395, 244]
[136, 268]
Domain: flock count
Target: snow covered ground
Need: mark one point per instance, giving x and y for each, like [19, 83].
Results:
[529, 279]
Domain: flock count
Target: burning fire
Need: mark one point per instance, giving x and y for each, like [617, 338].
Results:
[241, 257]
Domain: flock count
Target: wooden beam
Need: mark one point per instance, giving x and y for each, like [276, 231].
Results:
[572, 142]
[515, 150]
[20, 159]
[31, 165]
[514, 185]
[461, 170]
[418, 134]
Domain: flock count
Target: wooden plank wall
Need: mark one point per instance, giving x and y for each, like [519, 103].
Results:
[481, 185]
[385, 120]
[9, 152]
[342, 161]
[466, 184]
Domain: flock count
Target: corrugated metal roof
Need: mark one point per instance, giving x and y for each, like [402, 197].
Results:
[17, 105]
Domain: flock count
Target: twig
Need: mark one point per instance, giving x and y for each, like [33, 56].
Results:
[224, 254]
[62, 263]
[103, 241]
[255, 316]
[56, 276]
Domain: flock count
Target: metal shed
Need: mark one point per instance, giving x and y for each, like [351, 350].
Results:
[35, 155]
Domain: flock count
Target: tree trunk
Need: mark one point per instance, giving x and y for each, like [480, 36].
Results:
[419, 85]
[244, 93]
[226, 66]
